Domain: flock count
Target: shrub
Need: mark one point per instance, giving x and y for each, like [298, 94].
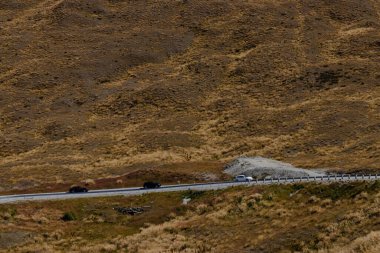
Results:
[268, 197]
[193, 194]
[239, 199]
[69, 216]
[297, 187]
[250, 204]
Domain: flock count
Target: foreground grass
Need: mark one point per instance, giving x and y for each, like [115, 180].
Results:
[287, 218]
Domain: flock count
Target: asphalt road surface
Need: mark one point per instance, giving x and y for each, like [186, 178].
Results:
[180, 187]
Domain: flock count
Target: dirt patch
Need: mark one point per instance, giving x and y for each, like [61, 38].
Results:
[13, 238]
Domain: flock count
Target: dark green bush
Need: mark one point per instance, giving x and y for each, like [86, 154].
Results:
[193, 194]
[297, 187]
[69, 216]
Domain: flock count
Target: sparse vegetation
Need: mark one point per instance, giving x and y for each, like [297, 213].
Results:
[83, 97]
[109, 93]
[303, 217]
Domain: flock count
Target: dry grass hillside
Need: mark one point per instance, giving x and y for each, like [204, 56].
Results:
[90, 89]
[313, 218]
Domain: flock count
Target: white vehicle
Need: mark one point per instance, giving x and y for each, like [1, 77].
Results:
[243, 178]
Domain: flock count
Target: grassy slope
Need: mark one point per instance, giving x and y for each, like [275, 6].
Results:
[91, 90]
[312, 217]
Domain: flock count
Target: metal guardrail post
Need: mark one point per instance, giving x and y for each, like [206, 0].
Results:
[293, 179]
[362, 176]
[356, 176]
[278, 179]
[308, 177]
[349, 177]
[271, 179]
[376, 176]
[315, 178]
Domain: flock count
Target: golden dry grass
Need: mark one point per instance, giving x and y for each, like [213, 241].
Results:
[100, 89]
[366, 244]
[303, 218]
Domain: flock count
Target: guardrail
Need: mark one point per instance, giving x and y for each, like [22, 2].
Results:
[336, 177]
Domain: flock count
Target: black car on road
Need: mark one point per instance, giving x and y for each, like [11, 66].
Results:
[151, 185]
[78, 189]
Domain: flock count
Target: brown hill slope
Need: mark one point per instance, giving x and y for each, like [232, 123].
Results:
[313, 218]
[102, 87]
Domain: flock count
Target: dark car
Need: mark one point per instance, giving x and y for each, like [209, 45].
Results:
[78, 189]
[151, 185]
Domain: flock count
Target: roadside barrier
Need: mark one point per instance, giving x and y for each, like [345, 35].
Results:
[326, 178]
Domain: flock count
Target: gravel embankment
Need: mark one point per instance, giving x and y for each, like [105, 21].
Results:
[259, 167]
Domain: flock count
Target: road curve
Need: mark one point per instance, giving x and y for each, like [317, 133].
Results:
[181, 187]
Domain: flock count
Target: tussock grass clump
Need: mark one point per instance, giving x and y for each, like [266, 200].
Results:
[8, 213]
[315, 209]
[89, 182]
[369, 243]
[326, 203]
[314, 199]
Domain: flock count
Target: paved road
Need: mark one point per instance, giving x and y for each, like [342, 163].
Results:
[180, 187]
